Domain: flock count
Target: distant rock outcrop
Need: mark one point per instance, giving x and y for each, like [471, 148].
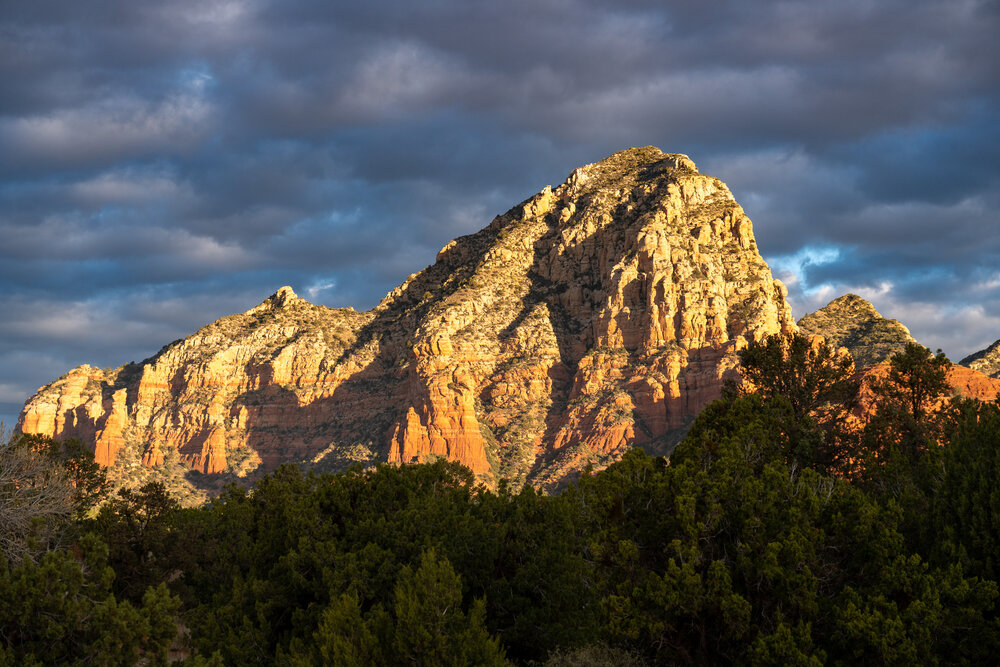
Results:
[852, 322]
[964, 382]
[985, 361]
[593, 317]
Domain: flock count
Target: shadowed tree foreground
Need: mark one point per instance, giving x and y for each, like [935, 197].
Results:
[753, 544]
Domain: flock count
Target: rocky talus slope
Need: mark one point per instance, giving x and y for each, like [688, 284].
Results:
[985, 361]
[852, 322]
[596, 316]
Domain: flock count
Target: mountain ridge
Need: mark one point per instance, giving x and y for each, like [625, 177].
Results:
[589, 318]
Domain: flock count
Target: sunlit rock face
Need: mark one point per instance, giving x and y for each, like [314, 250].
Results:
[964, 382]
[852, 322]
[595, 316]
[985, 361]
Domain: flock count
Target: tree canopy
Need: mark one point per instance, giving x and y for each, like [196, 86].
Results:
[755, 543]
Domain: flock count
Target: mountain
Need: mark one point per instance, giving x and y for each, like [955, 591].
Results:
[852, 322]
[985, 361]
[593, 317]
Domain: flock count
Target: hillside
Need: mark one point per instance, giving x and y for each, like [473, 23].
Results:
[985, 361]
[852, 322]
[593, 317]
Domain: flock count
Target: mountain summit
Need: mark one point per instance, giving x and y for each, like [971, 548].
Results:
[593, 317]
[852, 322]
[985, 361]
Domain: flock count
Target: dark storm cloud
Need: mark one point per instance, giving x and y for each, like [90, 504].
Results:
[943, 163]
[163, 164]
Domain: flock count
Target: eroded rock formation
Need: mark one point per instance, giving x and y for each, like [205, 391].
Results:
[985, 361]
[852, 322]
[964, 382]
[596, 316]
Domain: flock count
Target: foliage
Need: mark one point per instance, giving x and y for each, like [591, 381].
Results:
[813, 377]
[816, 382]
[916, 380]
[426, 627]
[911, 411]
[728, 552]
[139, 529]
[901, 446]
[965, 506]
[44, 483]
[89, 479]
[271, 565]
[36, 501]
[60, 610]
[750, 545]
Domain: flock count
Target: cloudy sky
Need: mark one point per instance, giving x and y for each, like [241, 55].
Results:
[163, 164]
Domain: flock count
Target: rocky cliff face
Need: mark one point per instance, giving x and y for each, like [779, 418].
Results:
[852, 322]
[596, 316]
[964, 382]
[985, 361]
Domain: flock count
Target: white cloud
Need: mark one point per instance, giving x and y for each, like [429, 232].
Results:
[314, 291]
[398, 79]
[118, 127]
[129, 186]
[795, 264]
[681, 101]
[125, 240]
[987, 285]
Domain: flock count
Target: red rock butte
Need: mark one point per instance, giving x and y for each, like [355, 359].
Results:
[595, 316]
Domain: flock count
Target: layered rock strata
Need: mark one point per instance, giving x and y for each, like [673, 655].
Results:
[852, 322]
[593, 317]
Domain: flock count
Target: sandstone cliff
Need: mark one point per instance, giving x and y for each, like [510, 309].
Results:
[964, 382]
[596, 316]
[852, 322]
[985, 361]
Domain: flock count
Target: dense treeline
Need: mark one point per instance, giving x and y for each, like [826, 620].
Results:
[781, 531]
